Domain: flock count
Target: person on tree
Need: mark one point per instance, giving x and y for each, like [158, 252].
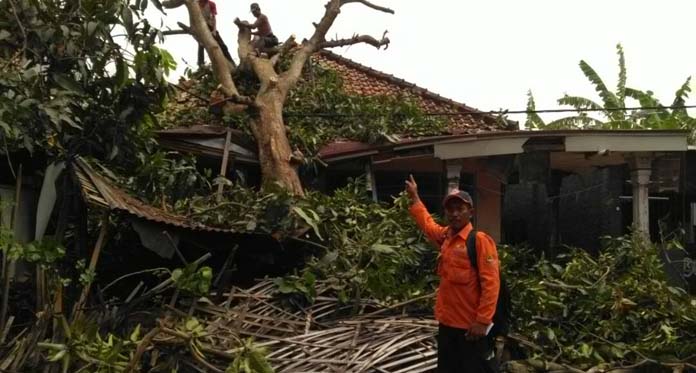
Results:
[467, 295]
[264, 40]
[209, 10]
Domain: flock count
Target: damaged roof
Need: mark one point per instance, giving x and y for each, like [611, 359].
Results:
[100, 192]
[207, 140]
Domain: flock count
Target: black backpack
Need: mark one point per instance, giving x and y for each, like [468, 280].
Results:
[501, 318]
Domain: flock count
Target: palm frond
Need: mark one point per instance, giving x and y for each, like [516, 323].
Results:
[647, 100]
[621, 84]
[681, 95]
[534, 121]
[581, 103]
[609, 98]
[575, 122]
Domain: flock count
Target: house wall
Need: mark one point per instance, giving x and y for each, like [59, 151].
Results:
[588, 208]
[487, 195]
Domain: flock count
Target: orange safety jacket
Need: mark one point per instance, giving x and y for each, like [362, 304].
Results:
[465, 295]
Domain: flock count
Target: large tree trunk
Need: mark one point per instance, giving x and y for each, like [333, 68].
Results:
[275, 154]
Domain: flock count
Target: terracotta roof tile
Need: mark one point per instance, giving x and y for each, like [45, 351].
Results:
[363, 80]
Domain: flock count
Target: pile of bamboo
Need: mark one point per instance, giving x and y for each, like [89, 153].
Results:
[322, 337]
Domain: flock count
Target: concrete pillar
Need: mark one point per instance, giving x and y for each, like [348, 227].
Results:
[454, 171]
[641, 168]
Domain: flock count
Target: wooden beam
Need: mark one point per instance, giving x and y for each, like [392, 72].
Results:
[225, 160]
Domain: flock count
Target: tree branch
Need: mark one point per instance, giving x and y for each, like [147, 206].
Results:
[171, 4]
[244, 48]
[369, 5]
[290, 77]
[175, 32]
[221, 67]
[367, 39]
[333, 9]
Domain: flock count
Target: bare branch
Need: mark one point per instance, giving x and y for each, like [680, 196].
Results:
[244, 48]
[318, 40]
[290, 77]
[369, 5]
[221, 66]
[367, 39]
[171, 4]
[175, 32]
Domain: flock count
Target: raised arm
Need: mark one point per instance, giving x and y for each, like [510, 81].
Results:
[435, 232]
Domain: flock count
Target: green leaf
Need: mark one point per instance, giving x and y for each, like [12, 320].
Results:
[135, 335]
[92, 27]
[380, 248]
[158, 5]
[67, 83]
[127, 16]
[311, 222]
[4, 34]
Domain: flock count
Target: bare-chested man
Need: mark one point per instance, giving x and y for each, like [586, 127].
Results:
[263, 36]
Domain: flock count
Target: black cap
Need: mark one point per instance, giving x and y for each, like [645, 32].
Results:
[460, 194]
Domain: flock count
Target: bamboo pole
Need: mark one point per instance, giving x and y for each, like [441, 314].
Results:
[77, 311]
[8, 265]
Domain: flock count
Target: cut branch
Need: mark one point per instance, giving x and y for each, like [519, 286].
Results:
[369, 5]
[367, 39]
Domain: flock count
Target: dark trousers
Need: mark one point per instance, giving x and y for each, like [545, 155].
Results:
[457, 355]
[223, 47]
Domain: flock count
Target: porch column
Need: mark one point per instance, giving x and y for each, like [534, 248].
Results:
[454, 171]
[641, 167]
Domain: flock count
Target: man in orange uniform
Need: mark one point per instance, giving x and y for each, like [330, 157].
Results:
[466, 298]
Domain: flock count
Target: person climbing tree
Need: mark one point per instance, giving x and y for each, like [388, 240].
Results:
[263, 36]
[209, 10]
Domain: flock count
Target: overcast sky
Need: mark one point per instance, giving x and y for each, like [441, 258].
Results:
[488, 53]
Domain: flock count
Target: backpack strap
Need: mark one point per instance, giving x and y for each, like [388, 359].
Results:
[471, 249]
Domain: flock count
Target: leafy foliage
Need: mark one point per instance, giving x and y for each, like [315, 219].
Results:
[86, 348]
[162, 178]
[365, 118]
[68, 87]
[251, 359]
[369, 249]
[587, 310]
[318, 110]
[613, 104]
[193, 280]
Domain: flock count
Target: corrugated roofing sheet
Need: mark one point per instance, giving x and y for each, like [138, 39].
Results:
[100, 192]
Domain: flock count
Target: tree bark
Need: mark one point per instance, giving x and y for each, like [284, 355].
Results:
[275, 154]
[278, 163]
[221, 67]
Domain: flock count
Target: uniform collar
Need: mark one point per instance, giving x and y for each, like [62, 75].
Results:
[464, 232]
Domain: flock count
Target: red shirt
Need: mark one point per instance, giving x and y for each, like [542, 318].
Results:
[211, 4]
[465, 295]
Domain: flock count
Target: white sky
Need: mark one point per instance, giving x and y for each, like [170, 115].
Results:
[488, 53]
